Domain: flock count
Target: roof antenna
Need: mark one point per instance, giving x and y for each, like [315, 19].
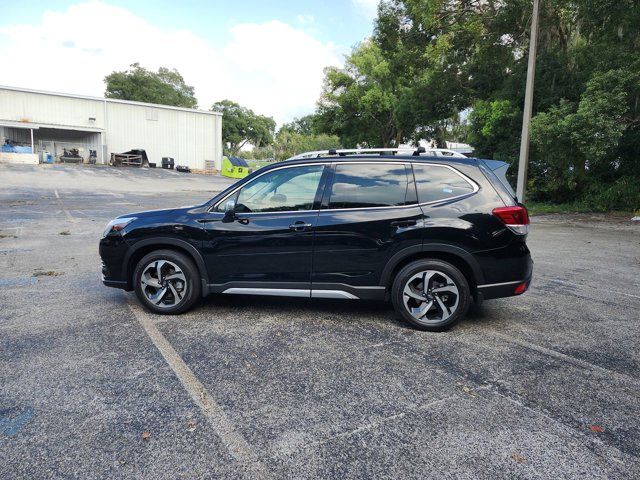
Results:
[332, 151]
[418, 151]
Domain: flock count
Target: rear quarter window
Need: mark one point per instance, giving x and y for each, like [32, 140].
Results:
[435, 182]
[505, 192]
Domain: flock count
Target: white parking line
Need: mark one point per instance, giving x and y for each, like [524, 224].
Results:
[621, 377]
[64, 209]
[231, 438]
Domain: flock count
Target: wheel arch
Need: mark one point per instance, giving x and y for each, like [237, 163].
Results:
[148, 245]
[458, 257]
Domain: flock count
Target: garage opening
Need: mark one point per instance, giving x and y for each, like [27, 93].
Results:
[57, 145]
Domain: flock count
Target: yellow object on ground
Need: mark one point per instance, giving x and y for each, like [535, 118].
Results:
[235, 167]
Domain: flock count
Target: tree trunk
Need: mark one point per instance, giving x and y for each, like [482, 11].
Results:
[398, 138]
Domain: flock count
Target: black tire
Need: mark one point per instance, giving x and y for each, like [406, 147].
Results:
[187, 268]
[411, 274]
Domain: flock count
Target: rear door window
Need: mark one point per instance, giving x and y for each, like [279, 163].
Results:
[437, 182]
[369, 185]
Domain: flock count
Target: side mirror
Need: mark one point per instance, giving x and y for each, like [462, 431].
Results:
[229, 211]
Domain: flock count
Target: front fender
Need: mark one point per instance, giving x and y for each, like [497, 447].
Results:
[164, 242]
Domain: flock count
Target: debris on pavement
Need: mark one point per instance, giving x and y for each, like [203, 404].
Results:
[46, 273]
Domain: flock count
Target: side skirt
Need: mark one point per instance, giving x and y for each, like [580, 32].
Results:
[320, 290]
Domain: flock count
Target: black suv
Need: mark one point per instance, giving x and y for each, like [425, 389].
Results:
[429, 233]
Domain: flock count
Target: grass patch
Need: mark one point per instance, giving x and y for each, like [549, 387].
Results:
[256, 164]
[541, 208]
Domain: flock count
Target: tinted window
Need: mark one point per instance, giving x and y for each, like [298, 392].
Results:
[439, 183]
[368, 185]
[280, 190]
[502, 186]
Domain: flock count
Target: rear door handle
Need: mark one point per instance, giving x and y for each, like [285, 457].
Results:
[404, 223]
[300, 226]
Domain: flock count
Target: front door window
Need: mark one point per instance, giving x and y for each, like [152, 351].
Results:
[285, 189]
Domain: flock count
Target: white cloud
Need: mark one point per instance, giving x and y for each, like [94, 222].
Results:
[368, 8]
[271, 67]
[305, 19]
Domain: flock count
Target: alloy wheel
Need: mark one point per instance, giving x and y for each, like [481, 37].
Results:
[163, 283]
[430, 296]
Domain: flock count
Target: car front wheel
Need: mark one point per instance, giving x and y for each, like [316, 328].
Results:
[431, 294]
[167, 282]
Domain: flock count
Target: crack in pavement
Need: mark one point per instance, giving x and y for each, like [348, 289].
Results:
[363, 428]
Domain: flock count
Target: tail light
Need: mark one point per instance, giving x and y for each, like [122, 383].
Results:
[520, 289]
[516, 218]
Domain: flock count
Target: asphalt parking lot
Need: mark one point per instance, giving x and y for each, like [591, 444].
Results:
[546, 385]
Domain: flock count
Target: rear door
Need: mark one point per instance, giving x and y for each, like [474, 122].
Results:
[369, 212]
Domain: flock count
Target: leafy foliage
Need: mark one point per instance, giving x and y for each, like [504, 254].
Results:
[164, 87]
[289, 143]
[359, 103]
[493, 129]
[305, 125]
[429, 60]
[241, 125]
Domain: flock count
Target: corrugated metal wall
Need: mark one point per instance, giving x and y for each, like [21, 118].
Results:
[19, 106]
[191, 137]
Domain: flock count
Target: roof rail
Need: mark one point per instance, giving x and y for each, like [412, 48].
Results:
[343, 152]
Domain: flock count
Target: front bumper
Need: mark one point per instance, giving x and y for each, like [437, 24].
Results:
[112, 250]
[115, 283]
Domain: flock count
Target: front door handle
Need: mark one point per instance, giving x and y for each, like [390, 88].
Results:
[300, 226]
[404, 223]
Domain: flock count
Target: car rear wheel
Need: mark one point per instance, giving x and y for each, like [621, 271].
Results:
[167, 282]
[431, 294]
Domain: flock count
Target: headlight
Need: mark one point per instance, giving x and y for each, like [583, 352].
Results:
[117, 224]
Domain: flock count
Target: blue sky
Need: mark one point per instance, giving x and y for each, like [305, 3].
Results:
[343, 22]
[250, 51]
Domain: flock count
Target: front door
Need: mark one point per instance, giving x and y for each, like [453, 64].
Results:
[269, 243]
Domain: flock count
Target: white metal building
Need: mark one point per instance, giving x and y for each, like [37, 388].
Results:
[50, 122]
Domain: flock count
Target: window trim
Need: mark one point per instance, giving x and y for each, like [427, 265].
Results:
[329, 185]
[237, 189]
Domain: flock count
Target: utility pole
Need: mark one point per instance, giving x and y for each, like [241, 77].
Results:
[523, 165]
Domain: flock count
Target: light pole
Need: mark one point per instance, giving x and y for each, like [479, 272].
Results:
[523, 164]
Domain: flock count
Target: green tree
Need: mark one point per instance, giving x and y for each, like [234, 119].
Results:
[240, 126]
[289, 143]
[493, 129]
[427, 60]
[164, 87]
[581, 146]
[360, 101]
[304, 125]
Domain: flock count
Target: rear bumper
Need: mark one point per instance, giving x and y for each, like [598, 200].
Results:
[507, 289]
[507, 271]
